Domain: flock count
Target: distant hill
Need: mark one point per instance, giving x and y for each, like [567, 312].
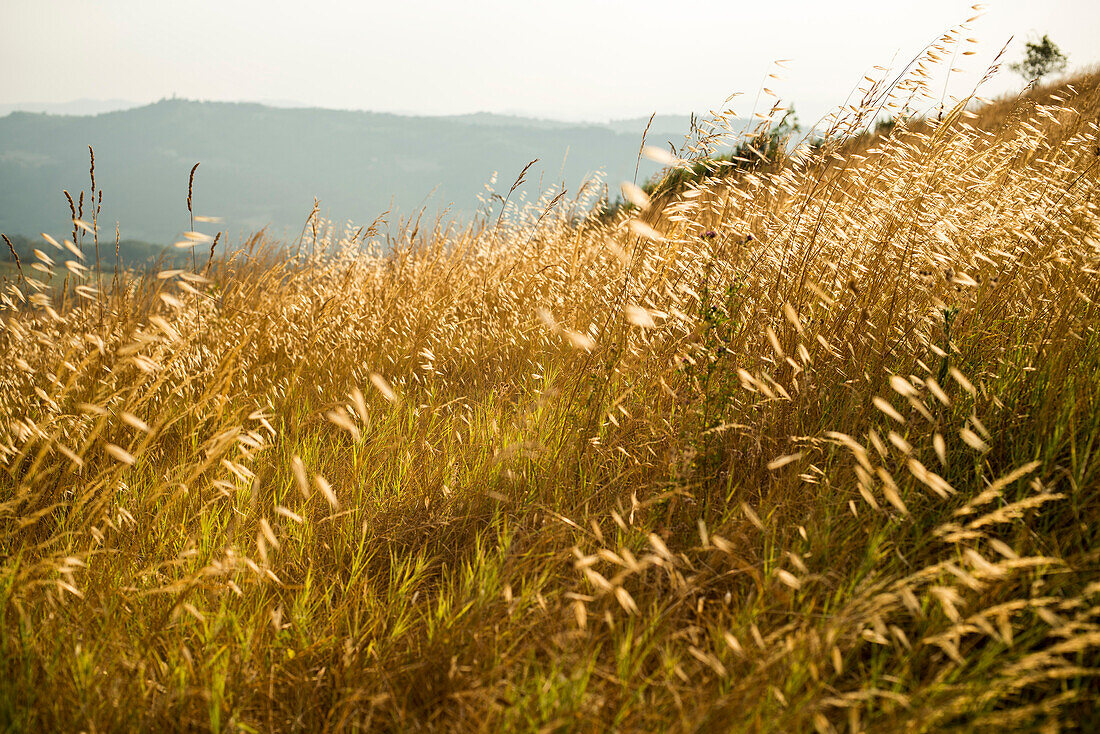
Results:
[664, 128]
[75, 107]
[263, 165]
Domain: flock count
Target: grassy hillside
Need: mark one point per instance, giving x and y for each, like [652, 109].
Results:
[558, 473]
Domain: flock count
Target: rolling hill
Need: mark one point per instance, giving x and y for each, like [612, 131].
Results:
[262, 166]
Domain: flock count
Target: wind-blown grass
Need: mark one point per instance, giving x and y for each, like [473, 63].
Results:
[557, 473]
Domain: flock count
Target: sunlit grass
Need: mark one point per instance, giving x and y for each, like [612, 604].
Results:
[552, 472]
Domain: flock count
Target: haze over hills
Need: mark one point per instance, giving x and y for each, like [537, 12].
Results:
[262, 165]
[72, 107]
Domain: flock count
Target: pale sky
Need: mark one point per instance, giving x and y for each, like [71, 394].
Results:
[566, 59]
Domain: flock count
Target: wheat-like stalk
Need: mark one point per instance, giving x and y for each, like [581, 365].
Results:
[191, 212]
[15, 256]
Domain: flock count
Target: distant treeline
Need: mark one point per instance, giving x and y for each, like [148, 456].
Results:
[136, 254]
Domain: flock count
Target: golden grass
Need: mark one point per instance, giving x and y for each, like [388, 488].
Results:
[553, 473]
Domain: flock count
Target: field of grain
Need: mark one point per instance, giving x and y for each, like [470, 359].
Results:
[813, 447]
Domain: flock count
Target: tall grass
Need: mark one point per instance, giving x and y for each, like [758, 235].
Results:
[552, 472]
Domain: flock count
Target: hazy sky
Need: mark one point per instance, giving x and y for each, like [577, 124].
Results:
[574, 59]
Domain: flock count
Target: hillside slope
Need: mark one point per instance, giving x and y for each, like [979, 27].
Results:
[554, 473]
